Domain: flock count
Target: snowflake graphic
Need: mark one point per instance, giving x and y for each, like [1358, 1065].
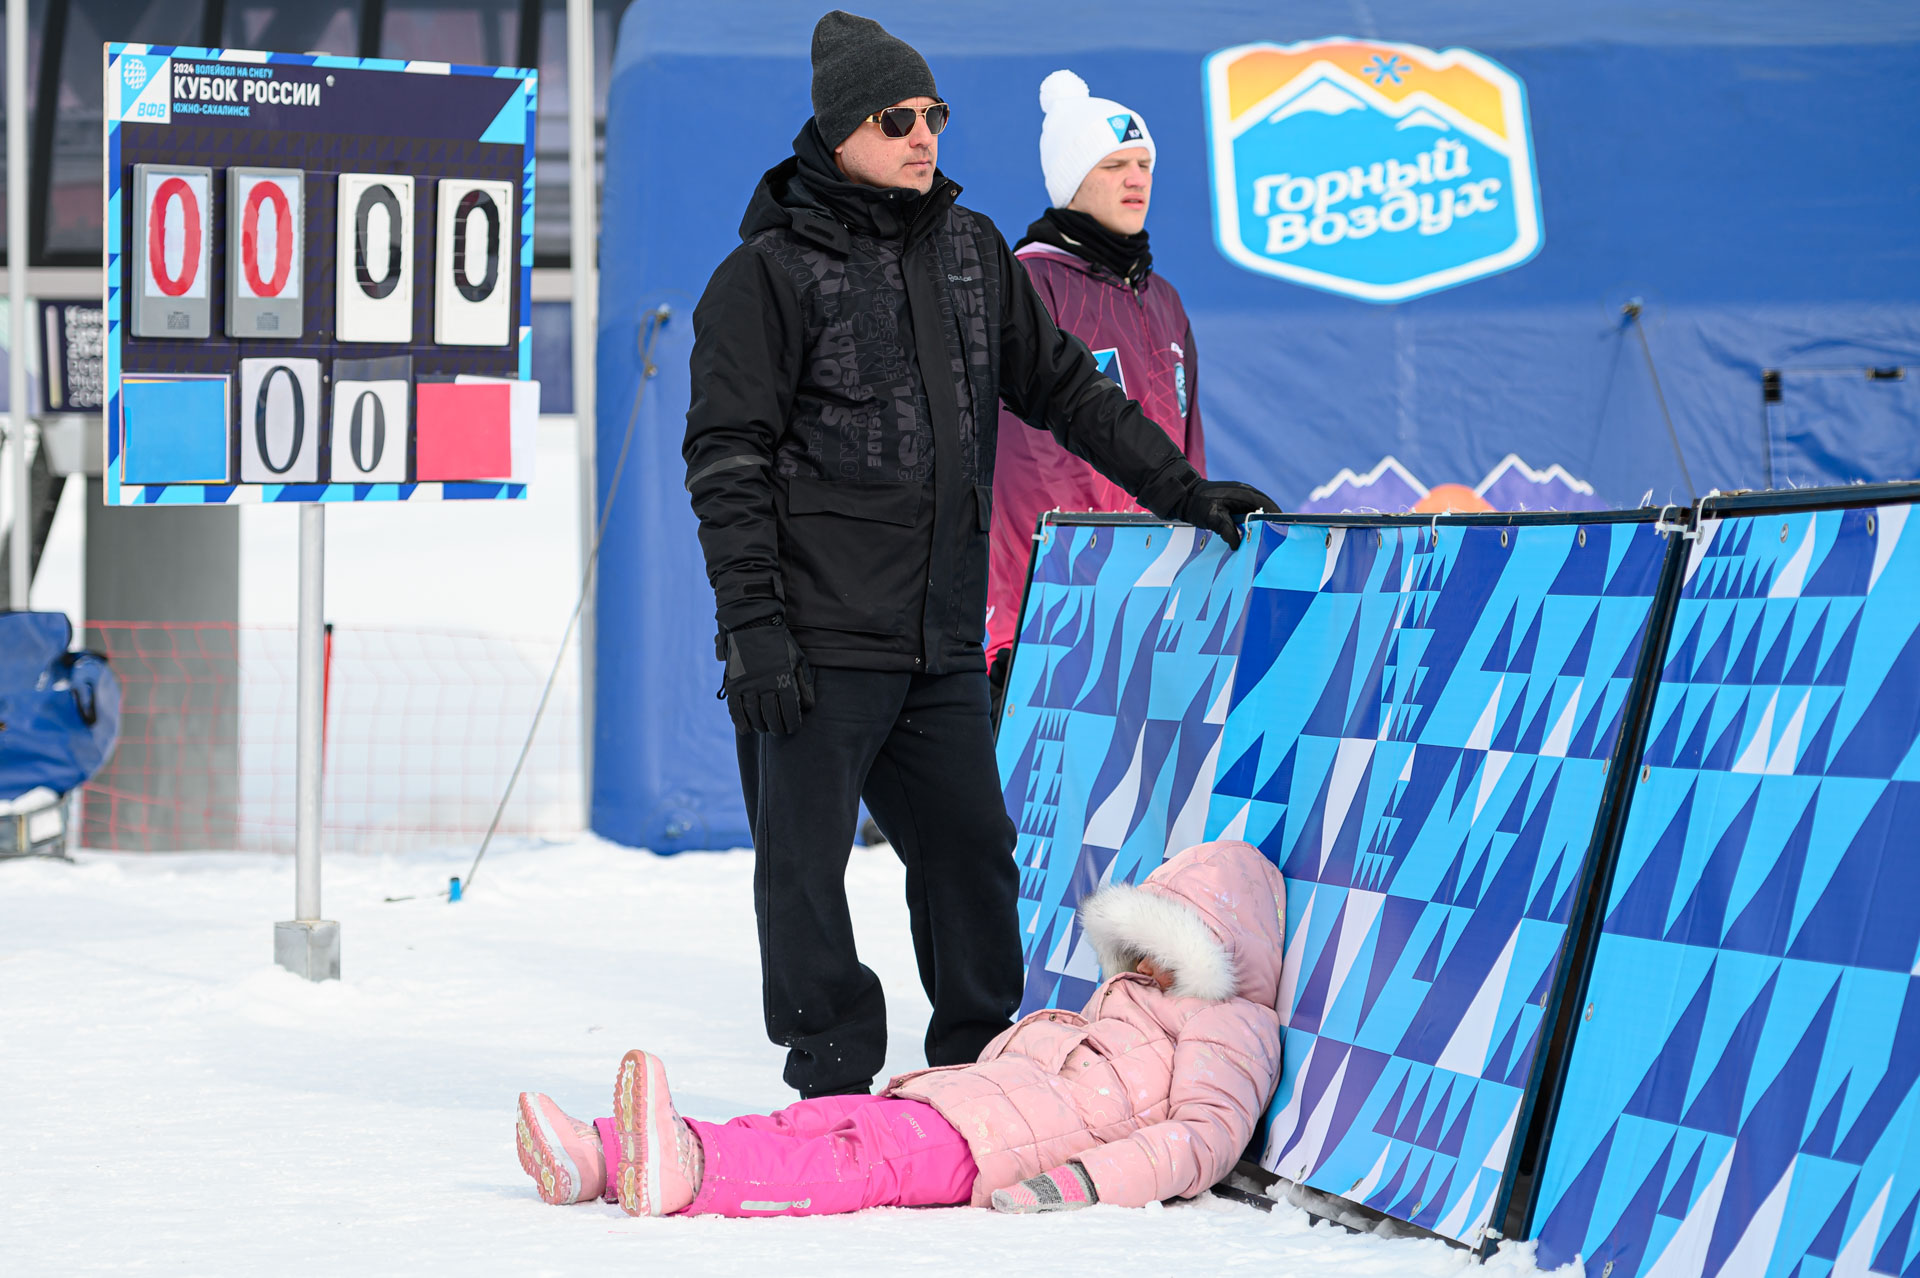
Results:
[1384, 69]
[134, 73]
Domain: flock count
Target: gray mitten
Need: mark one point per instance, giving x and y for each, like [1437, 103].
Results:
[1065, 1188]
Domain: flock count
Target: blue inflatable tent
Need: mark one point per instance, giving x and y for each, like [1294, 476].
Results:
[1700, 268]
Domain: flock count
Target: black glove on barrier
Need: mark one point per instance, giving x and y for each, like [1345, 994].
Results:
[1219, 505]
[768, 681]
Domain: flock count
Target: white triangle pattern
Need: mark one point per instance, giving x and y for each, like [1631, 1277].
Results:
[1349, 765]
[1107, 827]
[1856, 1257]
[1755, 1249]
[1466, 1051]
[1481, 738]
[1685, 1255]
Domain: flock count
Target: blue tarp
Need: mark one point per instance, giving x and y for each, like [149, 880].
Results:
[59, 710]
[1746, 171]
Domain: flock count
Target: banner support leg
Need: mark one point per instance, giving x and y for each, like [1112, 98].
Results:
[309, 945]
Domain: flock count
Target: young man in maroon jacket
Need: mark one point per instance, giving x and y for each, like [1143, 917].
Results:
[1088, 259]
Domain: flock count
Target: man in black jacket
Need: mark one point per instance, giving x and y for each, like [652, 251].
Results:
[848, 361]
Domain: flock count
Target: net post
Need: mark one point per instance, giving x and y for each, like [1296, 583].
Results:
[582, 156]
[20, 543]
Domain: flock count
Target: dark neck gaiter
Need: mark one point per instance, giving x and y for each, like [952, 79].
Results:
[1081, 234]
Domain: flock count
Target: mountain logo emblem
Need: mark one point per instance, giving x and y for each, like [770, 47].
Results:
[1390, 488]
[1108, 362]
[1377, 171]
[1124, 129]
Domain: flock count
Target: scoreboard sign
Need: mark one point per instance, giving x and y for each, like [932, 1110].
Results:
[318, 274]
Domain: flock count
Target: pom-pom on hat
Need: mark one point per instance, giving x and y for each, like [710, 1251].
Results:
[1080, 131]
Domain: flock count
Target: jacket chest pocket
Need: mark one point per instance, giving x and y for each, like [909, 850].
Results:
[855, 555]
[970, 568]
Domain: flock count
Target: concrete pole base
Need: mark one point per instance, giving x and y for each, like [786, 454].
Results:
[309, 948]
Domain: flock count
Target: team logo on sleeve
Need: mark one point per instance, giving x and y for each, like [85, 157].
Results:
[1378, 171]
[1109, 363]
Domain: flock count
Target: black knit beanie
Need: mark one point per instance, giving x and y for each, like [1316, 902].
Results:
[859, 69]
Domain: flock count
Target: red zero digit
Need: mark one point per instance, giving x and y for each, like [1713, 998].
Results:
[174, 285]
[266, 192]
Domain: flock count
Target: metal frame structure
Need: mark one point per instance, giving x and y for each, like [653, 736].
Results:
[39, 101]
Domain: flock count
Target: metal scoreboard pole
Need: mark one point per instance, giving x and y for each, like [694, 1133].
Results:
[308, 944]
[19, 542]
[583, 210]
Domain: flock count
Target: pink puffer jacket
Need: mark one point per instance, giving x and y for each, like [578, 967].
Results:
[1155, 1093]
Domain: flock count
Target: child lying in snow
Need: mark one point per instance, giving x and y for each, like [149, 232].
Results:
[1150, 1093]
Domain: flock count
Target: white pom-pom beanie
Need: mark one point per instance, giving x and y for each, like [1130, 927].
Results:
[1080, 131]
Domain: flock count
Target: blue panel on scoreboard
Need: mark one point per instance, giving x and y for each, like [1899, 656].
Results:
[175, 431]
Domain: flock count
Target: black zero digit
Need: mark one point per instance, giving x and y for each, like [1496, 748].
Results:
[260, 419]
[379, 432]
[383, 197]
[485, 204]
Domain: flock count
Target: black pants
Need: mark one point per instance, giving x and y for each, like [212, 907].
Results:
[919, 750]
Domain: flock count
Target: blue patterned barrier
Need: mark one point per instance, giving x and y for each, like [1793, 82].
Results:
[1740, 1095]
[1111, 731]
[1415, 722]
[1421, 743]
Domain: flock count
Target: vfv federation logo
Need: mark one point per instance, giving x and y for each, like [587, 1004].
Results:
[1379, 171]
[144, 89]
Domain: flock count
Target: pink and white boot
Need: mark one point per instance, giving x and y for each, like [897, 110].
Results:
[561, 1153]
[655, 1160]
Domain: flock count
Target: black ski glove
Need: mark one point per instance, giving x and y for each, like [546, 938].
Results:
[1218, 506]
[768, 681]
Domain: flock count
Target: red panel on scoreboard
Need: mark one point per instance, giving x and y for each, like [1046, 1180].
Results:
[462, 431]
[172, 250]
[266, 252]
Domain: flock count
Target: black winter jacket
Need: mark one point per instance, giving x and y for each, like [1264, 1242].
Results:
[847, 362]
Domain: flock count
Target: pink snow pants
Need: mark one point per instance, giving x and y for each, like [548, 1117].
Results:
[832, 1154]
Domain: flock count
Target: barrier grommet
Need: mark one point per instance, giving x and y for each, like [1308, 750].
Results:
[1869, 525]
[1582, 537]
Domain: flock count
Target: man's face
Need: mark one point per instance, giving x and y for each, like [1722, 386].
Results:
[872, 158]
[1117, 190]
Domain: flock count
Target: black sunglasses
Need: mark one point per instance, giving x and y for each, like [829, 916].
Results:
[897, 122]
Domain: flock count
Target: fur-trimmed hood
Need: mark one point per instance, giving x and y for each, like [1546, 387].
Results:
[1215, 914]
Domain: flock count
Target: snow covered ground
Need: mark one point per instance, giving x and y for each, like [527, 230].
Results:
[174, 1103]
